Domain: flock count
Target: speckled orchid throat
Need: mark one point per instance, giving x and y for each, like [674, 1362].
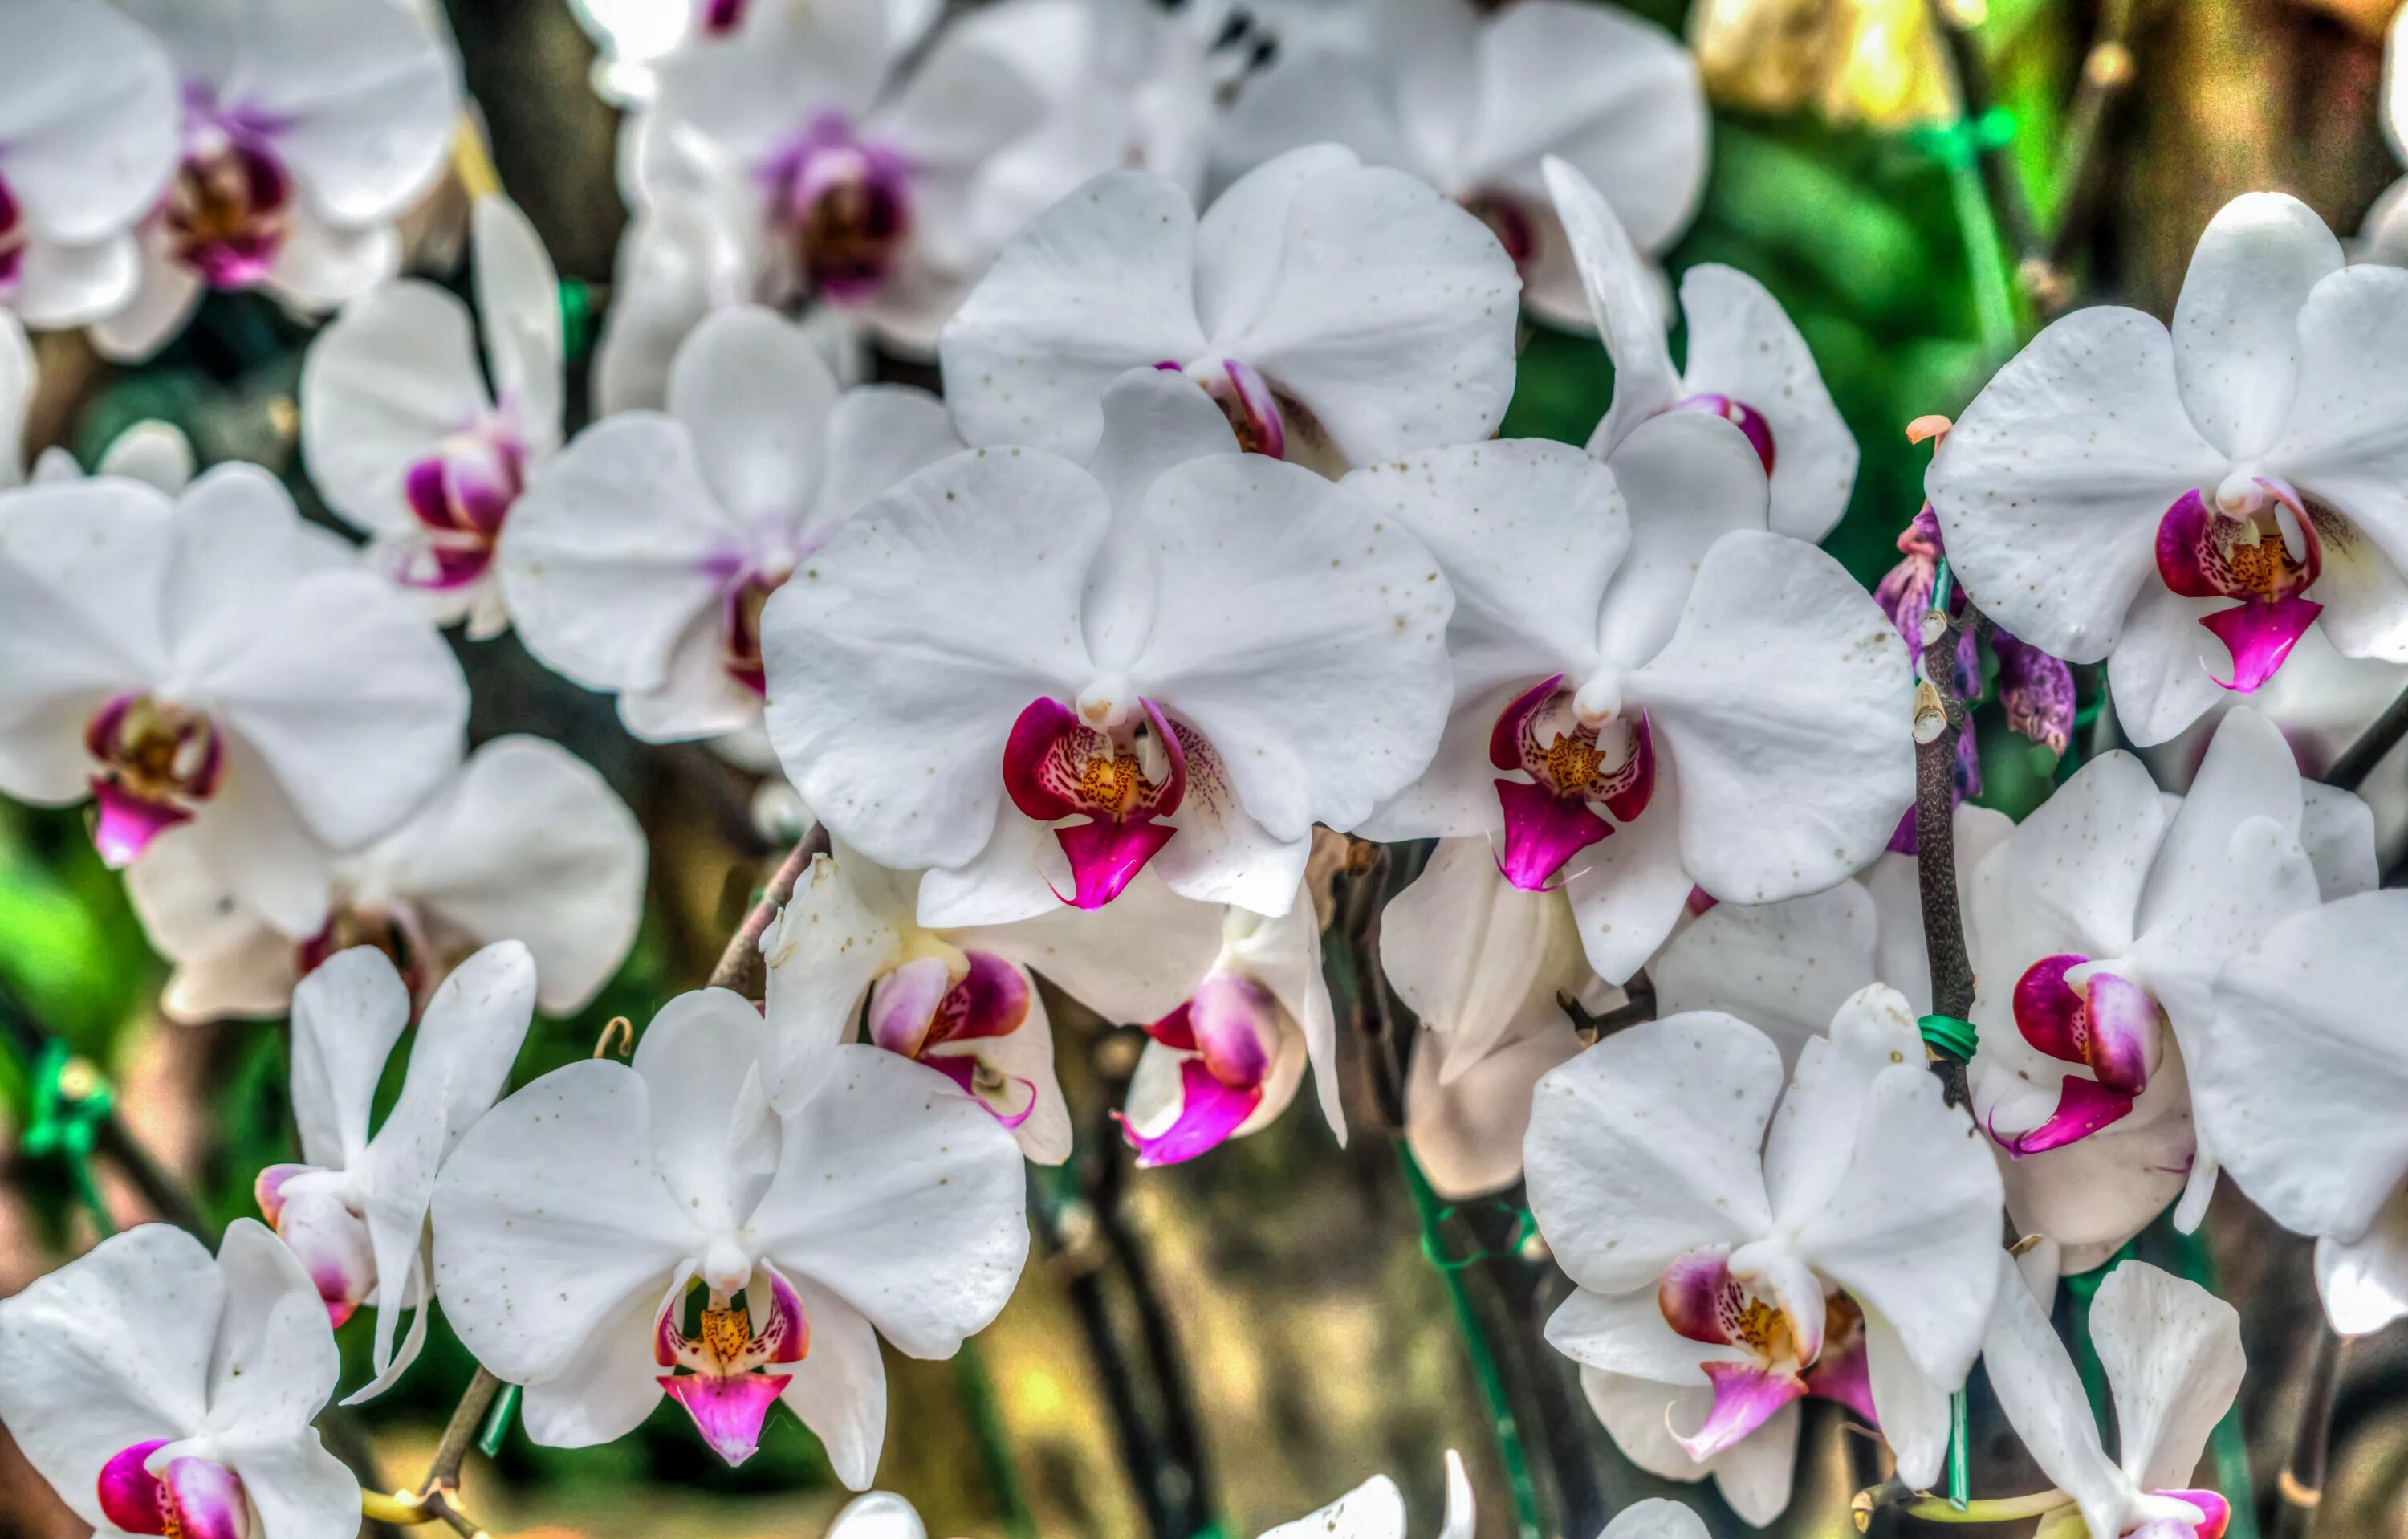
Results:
[2078, 1011]
[1794, 1338]
[719, 1353]
[746, 581]
[174, 1489]
[949, 1012]
[1118, 761]
[844, 207]
[318, 1215]
[230, 207]
[460, 495]
[156, 762]
[1582, 751]
[2259, 542]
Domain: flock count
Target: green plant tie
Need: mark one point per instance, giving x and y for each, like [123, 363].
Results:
[71, 1101]
[1524, 1226]
[1950, 1035]
[498, 1422]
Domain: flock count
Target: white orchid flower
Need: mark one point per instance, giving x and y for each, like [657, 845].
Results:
[1230, 1057]
[784, 160]
[1337, 312]
[87, 144]
[573, 1220]
[640, 560]
[203, 663]
[1733, 1257]
[404, 440]
[353, 1208]
[2171, 1352]
[2296, 1076]
[1628, 637]
[960, 999]
[1746, 362]
[162, 1391]
[309, 127]
[154, 451]
[633, 37]
[1471, 100]
[1197, 653]
[527, 843]
[2117, 486]
[2095, 928]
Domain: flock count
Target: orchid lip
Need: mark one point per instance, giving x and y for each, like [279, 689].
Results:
[1209, 1113]
[726, 1387]
[187, 1497]
[1747, 418]
[157, 761]
[1057, 767]
[2257, 543]
[1247, 399]
[229, 208]
[460, 495]
[1552, 816]
[919, 1012]
[846, 207]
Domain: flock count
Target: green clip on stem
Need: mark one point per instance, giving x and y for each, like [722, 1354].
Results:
[71, 1101]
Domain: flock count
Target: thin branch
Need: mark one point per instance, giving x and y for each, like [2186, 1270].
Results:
[2299, 1490]
[1360, 895]
[739, 965]
[2107, 72]
[1974, 100]
[1939, 717]
[2380, 735]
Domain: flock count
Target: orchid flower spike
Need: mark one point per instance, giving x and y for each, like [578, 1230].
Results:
[1195, 655]
[355, 1208]
[309, 127]
[207, 662]
[1483, 964]
[154, 451]
[1231, 1056]
[1471, 99]
[2296, 1077]
[640, 561]
[2095, 928]
[402, 435]
[784, 160]
[1336, 312]
[1746, 362]
[527, 843]
[2186, 504]
[1629, 640]
[2171, 1352]
[960, 999]
[162, 1391]
[1737, 1248]
[574, 1220]
[88, 148]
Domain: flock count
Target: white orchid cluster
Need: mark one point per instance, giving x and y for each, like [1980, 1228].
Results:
[1207, 545]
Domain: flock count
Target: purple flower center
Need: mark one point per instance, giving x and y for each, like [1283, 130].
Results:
[1573, 762]
[1227, 1037]
[187, 1498]
[14, 238]
[2104, 1023]
[919, 1012]
[1787, 1357]
[2256, 555]
[460, 495]
[845, 207]
[230, 207]
[156, 760]
[1122, 777]
[1504, 215]
[1741, 415]
[723, 1385]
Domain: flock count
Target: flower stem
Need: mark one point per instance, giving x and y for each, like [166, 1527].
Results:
[2300, 1488]
[1961, 154]
[739, 965]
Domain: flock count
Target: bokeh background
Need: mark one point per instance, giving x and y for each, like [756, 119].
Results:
[1220, 1347]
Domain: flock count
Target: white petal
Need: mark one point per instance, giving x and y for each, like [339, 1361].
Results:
[1625, 301]
[877, 435]
[2298, 1068]
[1913, 1226]
[1743, 345]
[2341, 445]
[880, 1514]
[2236, 326]
[548, 1217]
[696, 1058]
[1784, 967]
[80, 1385]
[1462, 1511]
[2337, 829]
[1132, 959]
[2092, 1195]
[527, 843]
[755, 395]
[91, 119]
[2173, 1355]
[1752, 1475]
[381, 388]
[603, 558]
[16, 382]
[1781, 697]
[155, 452]
[1656, 1519]
[1238, 241]
[1626, 1333]
[1614, 96]
[347, 1015]
[2051, 486]
[1688, 479]
[1100, 283]
[825, 949]
[1391, 318]
[1815, 1134]
[518, 310]
[1644, 1146]
[612, 1384]
[2034, 1377]
[975, 89]
[1302, 639]
[1468, 1136]
[2069, 878]
[1528, 533]
[902, 1197]
[70, 285]
[1372, 1510]
[252, 839]
[1913, 1410]
[1016, 877]
[840, 1387]
[1477, 959]
[365, 98]
[1628, 890]
[2162, 673]
[1153, 420]
[900, 654]
[676, 261]
[2364, 1282]
[273, 1364]
[764, 81]
[322, 266]
[230, 962]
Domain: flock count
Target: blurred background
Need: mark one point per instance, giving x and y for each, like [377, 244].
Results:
[1222, 1346]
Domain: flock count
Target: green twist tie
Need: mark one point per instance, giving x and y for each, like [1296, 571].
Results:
[1949, 1035]
[70, 1102]
[1524, 1223]
[1964, 143]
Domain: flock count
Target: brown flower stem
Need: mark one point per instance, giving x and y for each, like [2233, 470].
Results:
[740, 966]
[1940, 716]
[2298, 1490]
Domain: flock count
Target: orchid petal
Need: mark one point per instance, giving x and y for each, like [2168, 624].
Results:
[1626, 304]
[1630, 1333]
[2032, 1374]
[2364, 1282]
[91, 120]
[2236, 330]
[1743, 345]
[1783, 966]
[1468, 1135]
[519, 314]
[1909, 1407]
[755, 395]
[2173, 1355]
[1477, 959]
[381, 387]
[347, 1015]
[824, 951]
[1372, 1510]
[839, 1390]
[1688, 479]
[2334, 449]
[1754, 1474]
